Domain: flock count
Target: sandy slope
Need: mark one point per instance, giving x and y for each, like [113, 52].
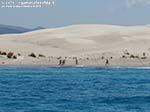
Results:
[80, 40]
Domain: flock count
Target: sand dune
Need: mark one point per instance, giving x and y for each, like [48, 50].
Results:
[81, 41]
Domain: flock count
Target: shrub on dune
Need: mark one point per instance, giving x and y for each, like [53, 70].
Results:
[143, 57]
[10, 54]
[123, 56]
[14, 57]
[19, 54]
[136, 56]
[32, 55]
[132, 56]
[102, 57]
[3, 53]
[41, 55]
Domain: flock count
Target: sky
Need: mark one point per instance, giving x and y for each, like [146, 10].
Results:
[68, 12]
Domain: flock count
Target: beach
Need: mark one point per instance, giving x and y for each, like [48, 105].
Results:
[118, 62]
[85, 45]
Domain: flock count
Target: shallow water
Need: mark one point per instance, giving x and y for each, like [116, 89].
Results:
[91, 89]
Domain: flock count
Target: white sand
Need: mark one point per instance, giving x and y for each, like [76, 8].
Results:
[82, 41]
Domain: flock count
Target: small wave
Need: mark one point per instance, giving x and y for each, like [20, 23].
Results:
[121, 67]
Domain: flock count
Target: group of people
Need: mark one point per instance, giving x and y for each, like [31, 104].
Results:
[63, 61]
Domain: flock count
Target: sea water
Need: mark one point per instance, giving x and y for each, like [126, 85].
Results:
[71, 89]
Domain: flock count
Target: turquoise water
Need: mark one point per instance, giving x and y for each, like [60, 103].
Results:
[91, 89]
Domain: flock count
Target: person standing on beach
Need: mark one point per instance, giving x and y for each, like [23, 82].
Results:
[76, 61]
[63, 62]
[60, 62]
[107, 62]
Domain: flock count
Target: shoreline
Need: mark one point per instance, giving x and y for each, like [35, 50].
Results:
[102, 67]
[74, 66]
